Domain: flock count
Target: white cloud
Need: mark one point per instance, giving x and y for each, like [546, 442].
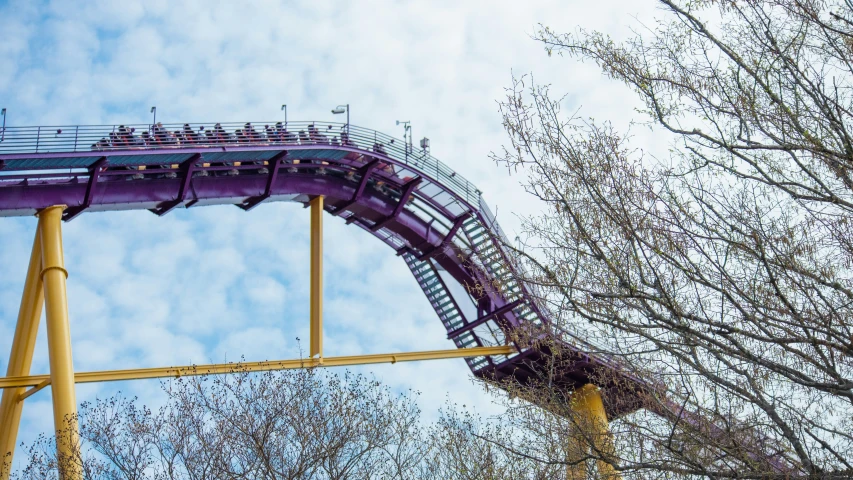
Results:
[249, 343]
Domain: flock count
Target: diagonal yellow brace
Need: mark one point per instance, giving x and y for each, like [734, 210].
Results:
[21, 357]
[265, 366]
[34, 390]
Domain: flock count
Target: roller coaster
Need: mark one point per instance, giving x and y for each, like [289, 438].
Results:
[425, 212]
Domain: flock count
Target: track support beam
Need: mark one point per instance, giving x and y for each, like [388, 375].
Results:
[53, 276]
[407, 192]
[275, 164]
[21, 357]
[365, 176]
[316, 334]
[187, 167]
[591, 431]
[485, 318]
[457, 224]
[94, 174]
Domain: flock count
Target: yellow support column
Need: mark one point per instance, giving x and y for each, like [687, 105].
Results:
[316, 340]
[59, 343]
[21, 358]
[593, 428]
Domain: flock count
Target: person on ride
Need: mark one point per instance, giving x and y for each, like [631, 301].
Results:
[289, 137]
[249, 132]
[189, 135]
[384, 166]
[136, 142]
[315, 135]
[379, 148]
[279, 133]
[102, 144]
[161, 136]
[219, 134]
[122, 137]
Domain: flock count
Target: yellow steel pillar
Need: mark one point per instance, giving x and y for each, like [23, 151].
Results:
[21, 358]
[59, 342]
[592, 429]
[316, 340]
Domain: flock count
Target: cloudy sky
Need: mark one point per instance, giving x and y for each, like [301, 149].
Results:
[215, 283]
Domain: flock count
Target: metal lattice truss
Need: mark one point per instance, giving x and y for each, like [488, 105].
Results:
[430, 215]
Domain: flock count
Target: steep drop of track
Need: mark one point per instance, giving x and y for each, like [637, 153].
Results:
[431, 216]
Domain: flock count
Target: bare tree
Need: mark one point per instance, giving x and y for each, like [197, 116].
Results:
[295, 424]
[723, 268]
[302, 424]
[467, 447]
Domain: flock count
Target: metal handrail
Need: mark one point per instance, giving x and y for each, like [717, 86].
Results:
[83, 138]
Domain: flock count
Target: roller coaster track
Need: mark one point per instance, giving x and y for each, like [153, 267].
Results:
[427, 213]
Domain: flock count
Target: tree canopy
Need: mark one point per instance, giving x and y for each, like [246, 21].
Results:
[723, 267]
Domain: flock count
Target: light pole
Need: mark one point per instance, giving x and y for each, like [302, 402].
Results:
[284, 107]
[3, 133]
[154, 122]
[342, 109]
[407, 134]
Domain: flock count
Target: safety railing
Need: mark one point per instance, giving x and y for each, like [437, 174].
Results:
[97, 138]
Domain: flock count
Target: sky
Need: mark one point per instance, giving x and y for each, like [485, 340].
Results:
[216, 284]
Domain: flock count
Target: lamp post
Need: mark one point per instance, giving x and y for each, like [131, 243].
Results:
[154, 122]
[284, 107]
[342, 109]
[3, 132]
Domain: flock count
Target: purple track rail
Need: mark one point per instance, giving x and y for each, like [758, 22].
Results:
[426, 212]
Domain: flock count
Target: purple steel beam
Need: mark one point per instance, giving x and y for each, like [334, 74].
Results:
[150, 158]
[447, 239]
[373, 205]
[274, 163]
[365, 176]
[485, 318]
[187, 167]
[94, 174]
[407, 191]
